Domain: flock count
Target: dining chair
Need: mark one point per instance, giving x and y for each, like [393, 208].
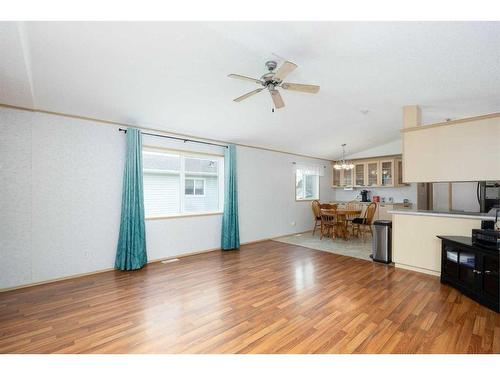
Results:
[328, 217]
[340, 226]
[317, 215]
[360, 224]
[327, 224]
[353, 205]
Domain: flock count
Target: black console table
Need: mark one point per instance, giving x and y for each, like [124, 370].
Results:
[471, 269]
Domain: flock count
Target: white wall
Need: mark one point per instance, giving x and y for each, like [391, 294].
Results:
[391, 148]
[60, 197]
[266, 188]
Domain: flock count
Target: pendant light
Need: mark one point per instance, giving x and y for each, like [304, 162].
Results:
[343, 164]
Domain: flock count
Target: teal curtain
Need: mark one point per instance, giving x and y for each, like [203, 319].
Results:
[230, 237]
[131, 249]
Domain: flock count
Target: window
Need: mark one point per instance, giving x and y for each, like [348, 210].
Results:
[194, 186]
[181, 183]
[307, 182]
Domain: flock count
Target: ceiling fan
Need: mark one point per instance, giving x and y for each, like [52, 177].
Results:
[272, 80]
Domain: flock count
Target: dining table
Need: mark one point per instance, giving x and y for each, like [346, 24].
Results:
[344, 213]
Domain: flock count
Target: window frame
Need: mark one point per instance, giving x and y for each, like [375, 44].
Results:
[194, 186]
[183, 154]
[307, 199]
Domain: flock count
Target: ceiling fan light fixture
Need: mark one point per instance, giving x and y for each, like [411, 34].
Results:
[273, 80]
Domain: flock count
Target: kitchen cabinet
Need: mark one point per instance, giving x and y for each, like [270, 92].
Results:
[399, 172]
[387, 173]
[374, 172]
[360, 174]
[342, 178]
[471, 269]
[337, 182]
[366, 174]
[382, 211]
[347, 175]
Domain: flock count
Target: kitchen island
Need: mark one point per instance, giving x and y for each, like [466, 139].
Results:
[415, 245]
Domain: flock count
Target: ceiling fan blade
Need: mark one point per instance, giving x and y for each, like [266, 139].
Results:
[277, 99]
[286, 68]
[245, 78]
[312, 89]
[247, 95]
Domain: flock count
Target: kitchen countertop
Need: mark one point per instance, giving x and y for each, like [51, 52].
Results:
[452, 214]
[380, 203]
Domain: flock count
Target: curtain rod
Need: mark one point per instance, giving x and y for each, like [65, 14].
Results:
[176, 138]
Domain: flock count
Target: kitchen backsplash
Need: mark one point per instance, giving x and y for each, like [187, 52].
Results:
[397, 194]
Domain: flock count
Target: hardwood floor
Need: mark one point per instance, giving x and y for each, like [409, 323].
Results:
[269, 297]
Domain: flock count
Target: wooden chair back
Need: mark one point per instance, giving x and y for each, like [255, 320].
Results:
[330, 217]
[315, 208]
[370, 213]
[328, 206]
[354, 205]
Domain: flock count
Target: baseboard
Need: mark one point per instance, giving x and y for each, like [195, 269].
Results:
[291, 234]
[183, 255]
[417, 269]
[56, 280]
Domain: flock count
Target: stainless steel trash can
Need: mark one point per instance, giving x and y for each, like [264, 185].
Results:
[382, 241]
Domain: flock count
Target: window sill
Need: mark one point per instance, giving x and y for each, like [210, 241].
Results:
[306, 200]
[184, 215]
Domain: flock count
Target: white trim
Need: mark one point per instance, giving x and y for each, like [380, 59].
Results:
[417, 269]
[186, 214]
[161, 171]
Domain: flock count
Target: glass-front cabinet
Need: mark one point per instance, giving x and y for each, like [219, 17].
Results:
[374, 172]
[347, 177]
[359, 175]
[336, 178]
[387, 173]
[342, 177]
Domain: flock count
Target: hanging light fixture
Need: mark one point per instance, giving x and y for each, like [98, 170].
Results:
[343, 164]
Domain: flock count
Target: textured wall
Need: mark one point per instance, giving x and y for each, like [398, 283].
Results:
[60, 197]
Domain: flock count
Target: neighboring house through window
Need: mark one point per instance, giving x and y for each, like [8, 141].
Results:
[194, 186]
[179, 183]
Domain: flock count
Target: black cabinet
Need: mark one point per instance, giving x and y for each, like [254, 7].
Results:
[471, 269]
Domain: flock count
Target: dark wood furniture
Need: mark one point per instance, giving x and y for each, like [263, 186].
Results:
[471, 269]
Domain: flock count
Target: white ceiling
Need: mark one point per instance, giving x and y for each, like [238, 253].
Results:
[172, 76]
